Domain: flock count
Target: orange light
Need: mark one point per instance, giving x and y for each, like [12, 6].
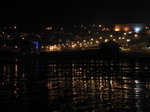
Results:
[117, 29]
[126, 29]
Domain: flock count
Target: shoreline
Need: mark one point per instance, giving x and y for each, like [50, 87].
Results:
[75, 55]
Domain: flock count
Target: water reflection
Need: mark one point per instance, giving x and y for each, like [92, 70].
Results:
[74, 86]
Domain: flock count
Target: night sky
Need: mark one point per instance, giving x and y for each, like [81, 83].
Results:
[32, 15]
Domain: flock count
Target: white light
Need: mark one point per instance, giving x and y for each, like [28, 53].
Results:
[137, 29]
[100, 38]
[130, 32]
[128, 40]
[137, 81]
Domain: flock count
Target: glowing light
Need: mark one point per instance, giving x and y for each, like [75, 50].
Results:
[136, 35]
[54, 48]
[114, 39]
[100, 38]
[137, 29]
[84, 43]
[126, 49]
[130, 32]
[100, 25]
[117, 29]
[62, 28]
[49, 28]
[128, 40]
[36, 44]
[16, 47]
[84, 40]
[73, 46]
[80, 44]
[137, 81]
[146, 27]
[103, 29]
[106, 40]
[126, 29]
[121, 48]
[97, 42]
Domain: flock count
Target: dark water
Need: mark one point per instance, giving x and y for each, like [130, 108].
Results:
[75, 86]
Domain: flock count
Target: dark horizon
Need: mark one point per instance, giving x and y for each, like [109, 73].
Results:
[34, 15]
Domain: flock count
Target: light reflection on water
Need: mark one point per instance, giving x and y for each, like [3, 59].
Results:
[77, 86]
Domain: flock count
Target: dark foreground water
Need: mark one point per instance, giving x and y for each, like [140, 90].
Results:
[75, 86]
